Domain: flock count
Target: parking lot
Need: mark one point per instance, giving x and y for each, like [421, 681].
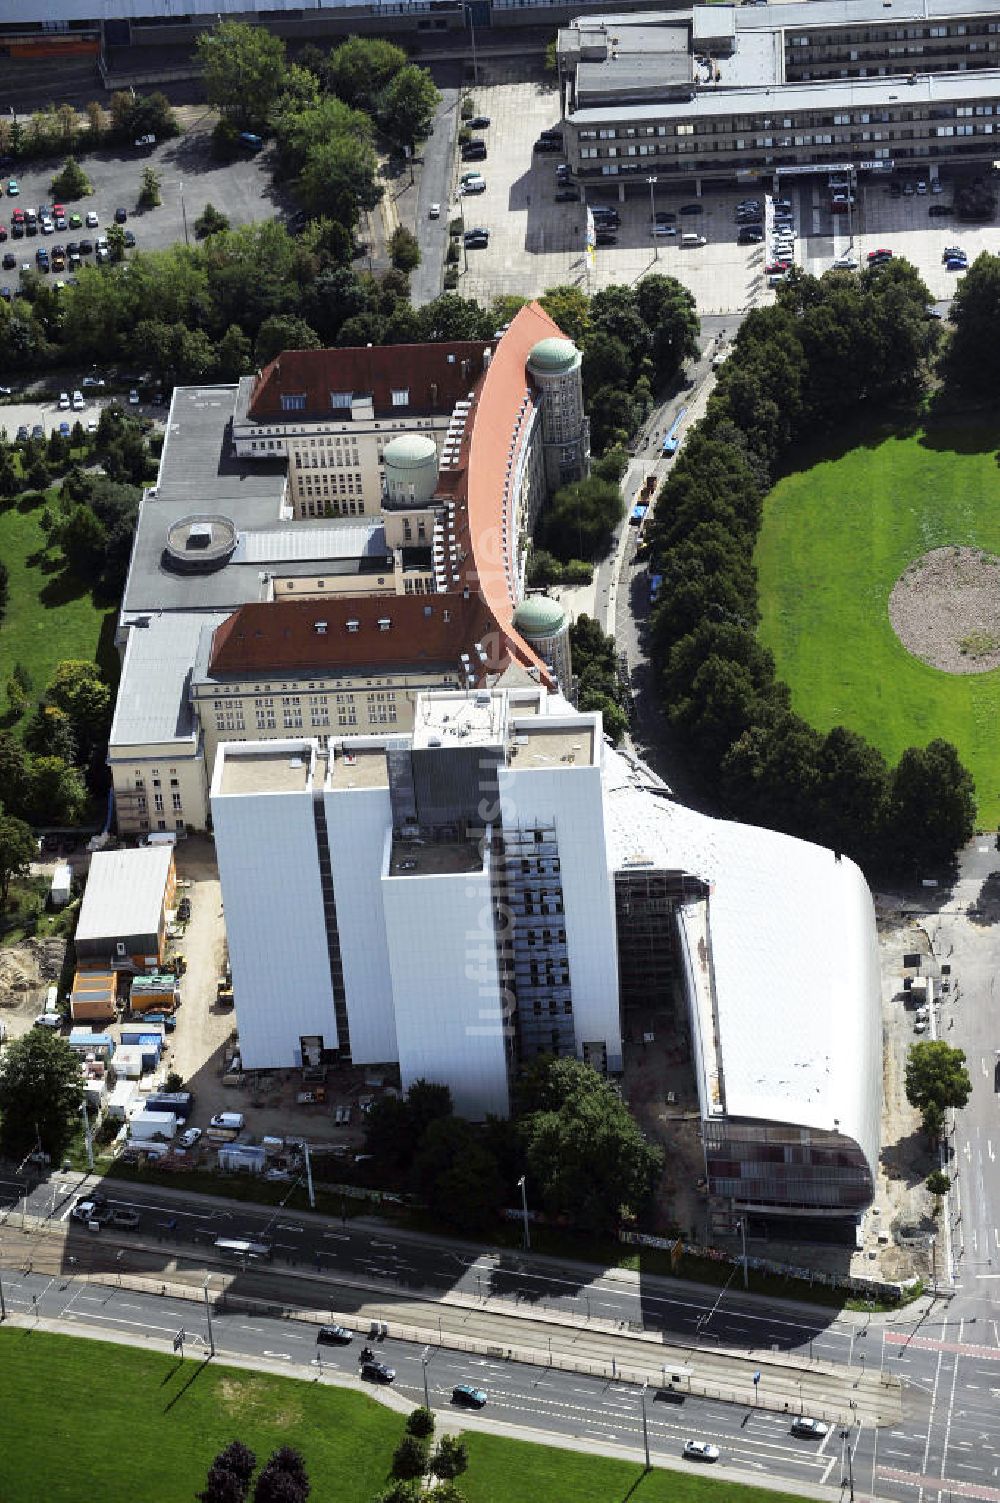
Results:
[535, 242]
[190, 178]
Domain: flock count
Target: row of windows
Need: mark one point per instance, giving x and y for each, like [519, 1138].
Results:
[340, 459]
[330, 506]
[297, 401]
[175, 803]
[728, 127]
[883, 34]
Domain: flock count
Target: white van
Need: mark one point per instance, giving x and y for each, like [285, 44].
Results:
[52, 1000]
[690, 240]
[228, 1121]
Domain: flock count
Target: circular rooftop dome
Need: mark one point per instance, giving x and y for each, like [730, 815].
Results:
[539, 616]
[411, 451]
[553, 357]
[200, 544]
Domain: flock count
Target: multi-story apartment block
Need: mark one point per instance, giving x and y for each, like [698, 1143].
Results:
[498, 883]
[245, 618]
[735, 94]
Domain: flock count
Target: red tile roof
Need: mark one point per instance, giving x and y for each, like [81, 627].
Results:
[435, 375]
[279, 636]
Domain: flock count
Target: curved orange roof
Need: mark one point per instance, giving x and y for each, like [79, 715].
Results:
[493, 422]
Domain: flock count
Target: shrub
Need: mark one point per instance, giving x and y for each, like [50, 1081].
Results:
[451, 279]
[420, 1423]
[410, 1457]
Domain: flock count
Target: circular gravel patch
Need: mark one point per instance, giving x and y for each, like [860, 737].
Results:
[945, 609]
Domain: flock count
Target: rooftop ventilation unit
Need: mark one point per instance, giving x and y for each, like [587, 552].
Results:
[320, 628]
[353, 625]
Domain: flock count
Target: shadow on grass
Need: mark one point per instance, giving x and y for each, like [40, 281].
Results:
[861, 433]
[184, 1388]
[62, 588]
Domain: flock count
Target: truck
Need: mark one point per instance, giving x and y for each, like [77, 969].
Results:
[153, 1126]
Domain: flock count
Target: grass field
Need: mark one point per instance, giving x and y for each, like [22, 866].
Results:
[82, 1419]
[49, 615]
[835, 539]
[512, 1471]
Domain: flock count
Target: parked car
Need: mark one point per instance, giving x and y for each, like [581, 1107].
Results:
[121, 215]
[334, 1336]
[568, 196]
[847, 262]
[92, 219]
[468, 1395]
[64, 429]
[664, 231]
[166, 1019]
[92, 1208]
[189, 1137]
[478, 122]
[750, 234]
[937, 186]
[125, 1218]
[133, 398]
[692, 208]
[951, 251]
[940, 211]
[777, 268]
[700, 1450]
[75, 221]
[129, 240]
[78, 400]
[665, 216]
[9, 262]
[145, 141]
[434, 212]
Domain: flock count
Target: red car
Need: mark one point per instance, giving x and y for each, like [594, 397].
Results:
[775, 268]
[3, 232]
[880, 255]
[18, 216]
[58, 209]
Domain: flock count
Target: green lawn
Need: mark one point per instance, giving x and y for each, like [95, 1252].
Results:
[835, 539]
[512, 1471]
[88, 1419]
[49, 615]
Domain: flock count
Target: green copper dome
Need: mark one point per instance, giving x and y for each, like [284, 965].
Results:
[539, 616]
[552, 357]
[410, 451]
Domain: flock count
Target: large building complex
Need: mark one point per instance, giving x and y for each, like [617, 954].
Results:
[315, 552]
[499, 883]
[723, 93]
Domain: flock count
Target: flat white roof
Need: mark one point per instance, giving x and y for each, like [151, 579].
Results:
[124, 893]
[794, 960]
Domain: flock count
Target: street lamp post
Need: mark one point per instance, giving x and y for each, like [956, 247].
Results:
[208, 1317]
[424, 1358]
[652, 215]
[522, 1186]
[743, 1235]
[184, 217]
[645, 1428]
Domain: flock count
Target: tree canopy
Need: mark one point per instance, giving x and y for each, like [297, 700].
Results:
[243, 68]
[41, 1093]
[587, 1157]
[936, 1078]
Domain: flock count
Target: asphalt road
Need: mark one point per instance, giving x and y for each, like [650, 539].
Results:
[521, 1396]
[435, 187]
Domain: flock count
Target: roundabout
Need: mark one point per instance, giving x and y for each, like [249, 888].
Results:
[879, 591]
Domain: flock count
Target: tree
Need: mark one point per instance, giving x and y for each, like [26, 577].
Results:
[937, 1182]
[409, 1460]
[585, 1152]
[71, 182]
[56, 792]
[116, 242]
[18, 690]
[17, 851]
[76, 688]
[14, 773]
[408, 105]
[404, 248]
[360, 70]
[972, 357]
[284, 332]
[932, 805]
[233, 355]
[936, 1078]
[244, 69]
[570, 309]
[283, 1479]
[41, 1092]
[338, 178]
[420, 1422]
[456, 1175]
[427, 1102]
[149, 191]
[230, 1475]
[211, 221]
[451, 1458]
[581, 518]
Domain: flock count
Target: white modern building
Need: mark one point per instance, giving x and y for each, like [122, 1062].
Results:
[499, 883]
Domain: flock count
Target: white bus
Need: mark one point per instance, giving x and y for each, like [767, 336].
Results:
[246, 1249]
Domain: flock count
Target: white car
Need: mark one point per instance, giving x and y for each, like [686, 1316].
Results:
[92, 220]
[847, 263]
[664, 230]
[48, 1020]
[78, 400]
[63, 401]
[936, 185]
[921, 187]
[811, 1428]
[189, 1137]
[92, 426]
[700, 1450]
[133, 398]
[434, 211]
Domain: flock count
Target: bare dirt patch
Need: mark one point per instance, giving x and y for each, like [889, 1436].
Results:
[945, 609]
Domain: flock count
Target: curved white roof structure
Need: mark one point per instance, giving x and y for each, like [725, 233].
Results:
[782, 963]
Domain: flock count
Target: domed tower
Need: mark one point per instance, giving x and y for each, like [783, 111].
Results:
[555, 366]
[411, 472]
[544, 625]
